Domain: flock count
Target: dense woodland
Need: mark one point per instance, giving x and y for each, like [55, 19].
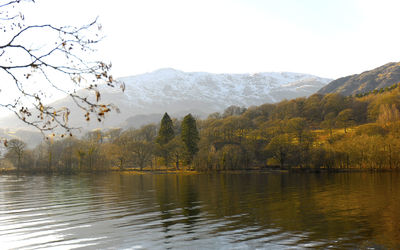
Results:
[319, 132]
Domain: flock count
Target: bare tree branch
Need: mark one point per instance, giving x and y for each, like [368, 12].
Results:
[63, 56]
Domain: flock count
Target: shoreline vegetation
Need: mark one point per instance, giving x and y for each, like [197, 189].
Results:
[321, 133]
[194, 172]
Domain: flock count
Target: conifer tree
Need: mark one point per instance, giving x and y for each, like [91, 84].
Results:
[165, 135]
[190, 137]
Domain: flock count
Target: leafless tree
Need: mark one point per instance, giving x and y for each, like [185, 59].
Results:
[34, 58]
[16, 149]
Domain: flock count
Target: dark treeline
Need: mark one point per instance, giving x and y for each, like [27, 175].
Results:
[330, 131]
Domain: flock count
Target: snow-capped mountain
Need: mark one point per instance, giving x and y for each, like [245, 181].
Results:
[174, 90]
[149, 95]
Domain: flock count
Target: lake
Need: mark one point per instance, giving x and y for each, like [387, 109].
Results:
[268, 210]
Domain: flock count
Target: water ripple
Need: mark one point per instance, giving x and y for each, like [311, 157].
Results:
[225, 211]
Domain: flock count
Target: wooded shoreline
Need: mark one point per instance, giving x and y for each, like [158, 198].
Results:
[319, 133]
[190, 172]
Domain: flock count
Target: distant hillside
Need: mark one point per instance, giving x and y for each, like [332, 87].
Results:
[31, 137]
[381, 77]
[149, 95]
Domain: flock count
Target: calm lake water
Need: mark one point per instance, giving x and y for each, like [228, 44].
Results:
[202, 211]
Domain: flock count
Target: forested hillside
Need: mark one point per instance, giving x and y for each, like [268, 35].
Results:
[368, 81]
[321, 131]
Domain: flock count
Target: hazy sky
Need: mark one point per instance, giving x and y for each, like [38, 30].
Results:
[329, 38]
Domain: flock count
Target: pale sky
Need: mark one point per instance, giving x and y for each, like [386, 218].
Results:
[328, 38]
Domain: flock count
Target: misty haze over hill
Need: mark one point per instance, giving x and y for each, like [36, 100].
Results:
[148, 96]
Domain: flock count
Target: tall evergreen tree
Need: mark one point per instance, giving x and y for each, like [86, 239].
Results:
[190, 137]
[165, 135]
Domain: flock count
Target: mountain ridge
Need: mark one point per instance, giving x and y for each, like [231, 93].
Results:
[375, 79]
[174, 91]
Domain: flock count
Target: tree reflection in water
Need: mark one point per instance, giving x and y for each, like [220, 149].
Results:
[234, 210]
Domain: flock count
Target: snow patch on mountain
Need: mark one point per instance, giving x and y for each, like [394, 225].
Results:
[168, 90]
[165, 87]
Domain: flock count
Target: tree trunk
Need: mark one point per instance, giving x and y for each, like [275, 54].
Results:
[177, 162]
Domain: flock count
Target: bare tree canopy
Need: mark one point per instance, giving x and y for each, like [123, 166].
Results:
[38, 59]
